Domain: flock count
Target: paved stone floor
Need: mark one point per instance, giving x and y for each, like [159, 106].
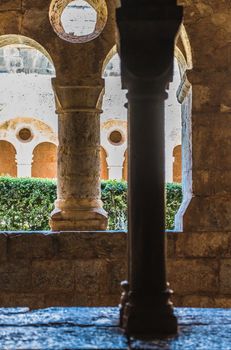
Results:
[97, 328]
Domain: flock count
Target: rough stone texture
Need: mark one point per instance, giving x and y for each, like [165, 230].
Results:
[225, 276]
[29, 246]
[53, 276]
[205, 244]
[192, 276]
[15, 276]
[206, 161]
[3, 247]
[66, 268]
[97, 328]
[85, 268]
[78, 206]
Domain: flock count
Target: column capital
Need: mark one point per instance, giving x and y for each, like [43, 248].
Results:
[148, 55]
[78, 98]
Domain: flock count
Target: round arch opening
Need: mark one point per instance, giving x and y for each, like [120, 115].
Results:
[78, 21]
[45, 160]
[8, 166]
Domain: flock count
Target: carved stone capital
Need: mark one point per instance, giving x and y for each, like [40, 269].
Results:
[78, 98]
[148, 54]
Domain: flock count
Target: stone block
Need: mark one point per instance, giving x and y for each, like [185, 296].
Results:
[203, 244]
[15, 276]
[10, 22]
[97, 300]
[9, 5]
[17, 299]
[29, 246]
[222, 302]
[52, 276]
[91, 245]
[216, 152]
[207, 182]
[28, 4]
[171, 239]
[3, 246]
[34, 18]
[117, 272]
[208, 214]
[187, 276]
[80, 245]
[91, 277]
[225, 276]
[60, 299]
[111, 244]
[197, 301]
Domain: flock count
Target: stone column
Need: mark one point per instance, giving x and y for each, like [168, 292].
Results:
[146, 44]
[78, 206]
[206, 153]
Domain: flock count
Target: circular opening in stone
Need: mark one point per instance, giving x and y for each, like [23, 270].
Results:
[25, 135]
[78, 21]
[79, 18]
[116, 137]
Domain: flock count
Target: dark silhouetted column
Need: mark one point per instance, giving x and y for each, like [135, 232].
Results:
[147, 32]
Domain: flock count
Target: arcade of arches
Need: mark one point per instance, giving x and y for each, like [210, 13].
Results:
[78, 262]
[26, 75]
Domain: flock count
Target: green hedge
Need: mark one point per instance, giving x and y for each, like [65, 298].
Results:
[25, 204]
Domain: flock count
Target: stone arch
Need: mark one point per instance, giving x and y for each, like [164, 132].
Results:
[103, 163]
[15, 39]
[184, 47]
[177, 164]
[45, 160]
[8, 165]
[184, 95]
[125, 166]
[108, 57]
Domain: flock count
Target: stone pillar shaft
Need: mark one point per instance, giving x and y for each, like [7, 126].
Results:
[78, 206]
[146, 192]
[147, 68]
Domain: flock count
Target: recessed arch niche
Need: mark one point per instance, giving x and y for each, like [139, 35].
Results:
[8, 166]
[45, 160]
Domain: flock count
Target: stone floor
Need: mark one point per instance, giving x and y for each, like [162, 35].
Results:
[97, 328]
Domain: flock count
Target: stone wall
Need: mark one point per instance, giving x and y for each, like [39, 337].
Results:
[85, 268]
[200, 268]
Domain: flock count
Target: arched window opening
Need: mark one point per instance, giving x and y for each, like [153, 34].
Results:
[175, 114]
[177, 164]
[103, 163]
[45, 161]
[125, 166]
[172, 122]
[26, 70]
[114, 118]
[8, 165]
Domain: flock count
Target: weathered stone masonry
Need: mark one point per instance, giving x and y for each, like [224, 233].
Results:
[86, 268]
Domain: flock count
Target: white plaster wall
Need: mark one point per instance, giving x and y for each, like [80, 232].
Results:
[27, 95]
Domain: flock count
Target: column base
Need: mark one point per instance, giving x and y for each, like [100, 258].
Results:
[149, 317]
[92, 219]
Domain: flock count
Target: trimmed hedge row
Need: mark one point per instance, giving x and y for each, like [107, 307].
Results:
[25, 203]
